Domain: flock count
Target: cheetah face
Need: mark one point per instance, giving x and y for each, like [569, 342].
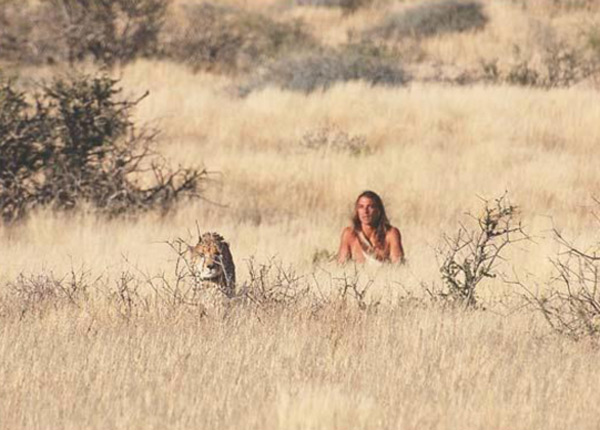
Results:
[206, 261]
[211, 262]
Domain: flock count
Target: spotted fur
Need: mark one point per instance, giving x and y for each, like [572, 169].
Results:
[212, 262]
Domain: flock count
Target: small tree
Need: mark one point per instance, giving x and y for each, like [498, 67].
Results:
[77, 143]
[471, 255]
[24, 151]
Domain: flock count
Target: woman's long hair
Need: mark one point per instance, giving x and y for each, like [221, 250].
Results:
[382, 224]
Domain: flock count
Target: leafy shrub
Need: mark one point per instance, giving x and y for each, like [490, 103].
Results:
[432, 19]
[77, 144]
[223, 38]
[312, 71]
[72, 30]
[23, 148]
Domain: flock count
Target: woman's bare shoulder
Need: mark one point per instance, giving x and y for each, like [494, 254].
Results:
[347, 232]
[393, 232]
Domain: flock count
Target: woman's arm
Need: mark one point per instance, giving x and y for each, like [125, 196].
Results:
[344, 251]
[396, 248]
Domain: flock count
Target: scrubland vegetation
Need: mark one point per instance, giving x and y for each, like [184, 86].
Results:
[126, 127]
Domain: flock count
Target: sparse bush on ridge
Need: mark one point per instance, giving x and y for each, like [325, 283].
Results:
[214, 37]
[227, 39]
[559, 66]
[557, 6]
[432, 19]
[73, 30]
[77, 144]
[308, 72]
[346, 5]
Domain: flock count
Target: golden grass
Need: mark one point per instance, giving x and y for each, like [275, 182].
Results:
[400, 368]
[404, 364]
[435, 150]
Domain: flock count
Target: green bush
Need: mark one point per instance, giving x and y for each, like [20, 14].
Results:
[76, 143]
[312, 71]
[432, 19]
[227, 39]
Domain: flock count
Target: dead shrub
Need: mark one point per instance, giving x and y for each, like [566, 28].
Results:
[350, 288]
[273, 284]
[36, 292]
[432, 19]
[471, 254]
[572, 307]
[77, 144]
[330, 138]
[226, 39]
[270, 286]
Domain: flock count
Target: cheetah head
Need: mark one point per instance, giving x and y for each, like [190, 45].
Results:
[211, 261]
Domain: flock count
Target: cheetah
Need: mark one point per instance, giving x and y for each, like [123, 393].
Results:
[212, 263]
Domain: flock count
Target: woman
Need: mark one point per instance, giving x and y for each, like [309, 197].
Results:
[371, 238]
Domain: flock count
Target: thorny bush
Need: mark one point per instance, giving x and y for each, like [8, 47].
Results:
[471, 255]
[572, 306]
[75, 144]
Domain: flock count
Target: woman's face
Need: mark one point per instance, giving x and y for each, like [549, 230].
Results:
[367, 211]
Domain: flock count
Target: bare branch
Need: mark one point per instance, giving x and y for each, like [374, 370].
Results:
[472, 253]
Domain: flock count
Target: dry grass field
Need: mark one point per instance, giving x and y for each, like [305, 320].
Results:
[115, 352]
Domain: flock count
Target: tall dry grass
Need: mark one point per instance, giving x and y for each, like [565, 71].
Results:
[406, 363]
[401, 368]
[434, 150]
